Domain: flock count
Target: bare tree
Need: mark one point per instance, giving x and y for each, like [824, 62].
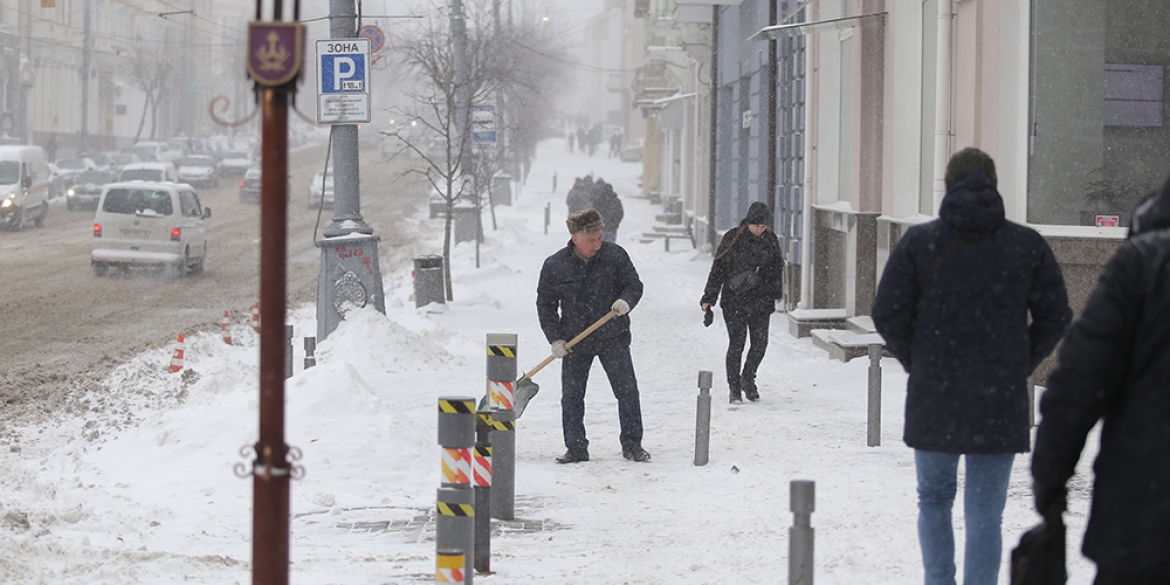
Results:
[151, 73]
[495, 64]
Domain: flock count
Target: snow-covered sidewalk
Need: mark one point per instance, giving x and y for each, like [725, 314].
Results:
[137, 485]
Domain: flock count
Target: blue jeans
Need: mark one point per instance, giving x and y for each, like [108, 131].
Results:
[983, 502]
[619, 368]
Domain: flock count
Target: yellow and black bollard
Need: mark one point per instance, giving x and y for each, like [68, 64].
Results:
[501, 376]
[455, 525]
[481, 477]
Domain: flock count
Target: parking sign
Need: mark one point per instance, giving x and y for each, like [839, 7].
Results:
[343, 84]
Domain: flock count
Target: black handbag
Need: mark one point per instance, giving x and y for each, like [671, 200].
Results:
[1039, 559]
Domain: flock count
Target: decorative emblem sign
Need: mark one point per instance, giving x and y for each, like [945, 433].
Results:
[275, 52]
[348, 290]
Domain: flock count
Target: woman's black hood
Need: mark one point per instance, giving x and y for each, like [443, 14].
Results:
[972, 203]
[1153, 213]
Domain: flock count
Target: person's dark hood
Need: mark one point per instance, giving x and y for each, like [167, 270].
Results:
[758, 214]
[972, 203]
[1153, 213]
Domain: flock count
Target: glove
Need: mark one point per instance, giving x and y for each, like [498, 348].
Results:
[708, 317]
[558, 349]
[621, 307]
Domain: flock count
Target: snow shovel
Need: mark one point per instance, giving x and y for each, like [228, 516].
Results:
[525, 388]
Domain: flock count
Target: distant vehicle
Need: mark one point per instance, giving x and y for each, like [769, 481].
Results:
[316, 195]
[100, 159]
[250, 186]
[153, 225]
[632, 152]
[119, 160]
[199, 170]
[152, 151]
[236, 162]
[149, 171]
[68, 168]
[87, 188]
[24, 186]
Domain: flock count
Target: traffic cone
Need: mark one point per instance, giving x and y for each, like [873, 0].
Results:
[226, 328]
[256, 317]
[177, 357]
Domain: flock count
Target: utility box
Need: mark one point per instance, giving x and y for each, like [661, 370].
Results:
[466, 218]
[428, 280]
[501, 189]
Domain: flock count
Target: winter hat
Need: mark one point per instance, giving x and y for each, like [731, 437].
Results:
[758, 214]
[586, 221]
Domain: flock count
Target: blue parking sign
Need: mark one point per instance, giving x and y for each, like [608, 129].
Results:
[343, 84]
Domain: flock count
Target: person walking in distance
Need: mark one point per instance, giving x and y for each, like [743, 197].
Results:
[748, 270]
[1115, 366]
[607, 203]
[970, 303]
[580, 284]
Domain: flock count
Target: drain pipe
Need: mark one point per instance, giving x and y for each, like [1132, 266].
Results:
[942, 103]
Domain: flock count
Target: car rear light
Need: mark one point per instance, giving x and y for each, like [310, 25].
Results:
[176, 234]
[242, 182]
[97, 230]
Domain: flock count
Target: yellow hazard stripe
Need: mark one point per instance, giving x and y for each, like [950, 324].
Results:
[485, 418]
[504, 425]
[501, 351]
[457, 406]
[483, 451]
[446, 509]
[450, 560]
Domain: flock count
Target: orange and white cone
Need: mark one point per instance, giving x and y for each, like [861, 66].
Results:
[256, 317]
[177, 357]
[225, 327]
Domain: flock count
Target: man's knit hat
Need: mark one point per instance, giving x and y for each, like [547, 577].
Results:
[588, 220]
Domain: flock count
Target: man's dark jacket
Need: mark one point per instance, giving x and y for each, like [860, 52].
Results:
[953, 306]
[759, 254]
[574, 293]
[606, 202]
[1115, 365]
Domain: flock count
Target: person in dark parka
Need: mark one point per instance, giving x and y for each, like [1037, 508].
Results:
[606, 202]
[953, 306]
[748, 269]
[580, 196]
[579, 284]
[1115, 366]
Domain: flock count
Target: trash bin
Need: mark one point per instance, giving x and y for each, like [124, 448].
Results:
[428, 280]
[502, 189]
[466, 219]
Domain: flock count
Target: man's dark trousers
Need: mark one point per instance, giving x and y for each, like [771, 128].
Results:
[619, 368]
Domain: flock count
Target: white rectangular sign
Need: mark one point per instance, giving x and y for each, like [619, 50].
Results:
[343, 81]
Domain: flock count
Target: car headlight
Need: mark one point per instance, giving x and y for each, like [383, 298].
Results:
[6, 203]
[71, 192]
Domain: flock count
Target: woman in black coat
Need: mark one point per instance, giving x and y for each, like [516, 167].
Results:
[749, 270]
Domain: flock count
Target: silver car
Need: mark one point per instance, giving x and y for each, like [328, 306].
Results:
[149, 224]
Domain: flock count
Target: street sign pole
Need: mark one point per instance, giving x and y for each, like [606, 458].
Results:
[349, 274]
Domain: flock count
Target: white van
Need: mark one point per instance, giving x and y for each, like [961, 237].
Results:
[149, 224]
[24, 185]
[149, 171]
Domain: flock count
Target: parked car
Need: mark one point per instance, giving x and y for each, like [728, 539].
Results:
[149, 224]
[201, 170]
[317, 196]
[250, 186]
[149, 171]
[24, 185]
[236, 162]
[87, 188]
[632, 152]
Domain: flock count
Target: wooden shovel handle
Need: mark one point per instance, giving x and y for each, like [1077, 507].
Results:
[569, 345]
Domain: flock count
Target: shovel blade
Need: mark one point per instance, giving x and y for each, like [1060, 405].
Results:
[526, 389]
